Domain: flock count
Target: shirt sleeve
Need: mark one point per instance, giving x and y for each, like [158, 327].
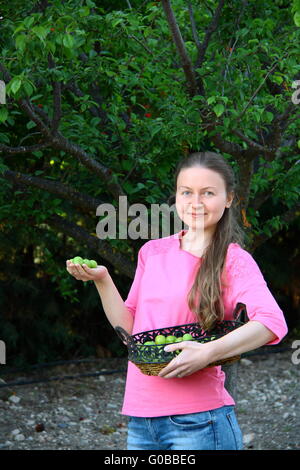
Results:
[248, 286]
[132, 298]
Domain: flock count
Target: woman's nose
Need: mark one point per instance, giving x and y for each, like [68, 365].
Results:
[197, 200]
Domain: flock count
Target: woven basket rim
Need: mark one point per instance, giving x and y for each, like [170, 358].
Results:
[206, 332]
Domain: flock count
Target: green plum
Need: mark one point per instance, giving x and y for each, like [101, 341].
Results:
[171, 339]
[179, 339]
[160, 339]
[187, 337]
[147, 343]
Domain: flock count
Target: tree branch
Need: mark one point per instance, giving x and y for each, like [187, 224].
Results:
[223, 145]
[181, 49]
[59, 142]
[96, 111]
[274, 137]
[259, 87]
[208, 33]
[226, 146]
[117, 259]
[42, 114]
[263, 196]
[5, 73]
[131, 36]
[23, 149]
[289, 121]
[84, 202]
[26, 106]
[56, 106]
[243, 156]
[282, 119]
[254, 146]
[56, 98]
[280, 122]
[244, 159]
[245, 177]
[193, 24]
[106, 174]
[287, 217]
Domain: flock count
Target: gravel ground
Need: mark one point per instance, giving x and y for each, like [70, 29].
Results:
[84, 413]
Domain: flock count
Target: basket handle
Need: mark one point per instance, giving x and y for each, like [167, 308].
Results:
[124, 336]
[240, 313]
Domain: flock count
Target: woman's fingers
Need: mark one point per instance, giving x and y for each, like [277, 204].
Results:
[79, 272]
[193, 357]
[84, 273]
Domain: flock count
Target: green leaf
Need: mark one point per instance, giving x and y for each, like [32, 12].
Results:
[256, 115]
[15, 86]
[211, 99]
[30, 124]
[227, 122]
[252, 42]
[40, 32]
[28, 88]
[21, 42]
[38, 154]
[3, 168]
[51, 46]
[277, 79]
[154, 130]
[68, 41]
[3, 114]
[269, 116]
[84, 11]
[297, 18]
[4, 138]
[18, 29]
[28, 22]
[116, 22]
[219, 109]
[126, 165]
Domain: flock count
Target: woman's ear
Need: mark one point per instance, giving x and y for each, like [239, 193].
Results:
[230, 198]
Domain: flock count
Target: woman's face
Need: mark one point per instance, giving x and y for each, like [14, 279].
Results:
[201, 198]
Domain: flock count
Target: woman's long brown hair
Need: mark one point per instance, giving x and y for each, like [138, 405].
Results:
[205, 296]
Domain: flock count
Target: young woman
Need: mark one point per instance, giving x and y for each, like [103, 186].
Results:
[198, 274]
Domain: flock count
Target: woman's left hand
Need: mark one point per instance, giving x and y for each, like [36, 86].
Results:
[193, 357]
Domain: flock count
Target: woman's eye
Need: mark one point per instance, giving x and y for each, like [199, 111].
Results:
[206, 193]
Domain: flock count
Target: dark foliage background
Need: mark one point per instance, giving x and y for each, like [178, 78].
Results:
[103, 99]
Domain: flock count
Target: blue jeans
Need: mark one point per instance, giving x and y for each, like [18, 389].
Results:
[208, 430]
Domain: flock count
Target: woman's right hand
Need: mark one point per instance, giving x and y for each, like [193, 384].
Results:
[84, 273]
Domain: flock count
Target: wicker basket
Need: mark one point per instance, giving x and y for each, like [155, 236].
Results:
[151, 359]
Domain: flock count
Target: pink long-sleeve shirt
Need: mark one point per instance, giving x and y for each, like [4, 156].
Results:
[158, 298]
